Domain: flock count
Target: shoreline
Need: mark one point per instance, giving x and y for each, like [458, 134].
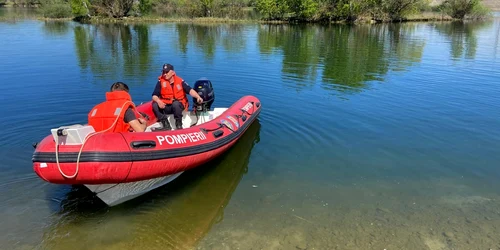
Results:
[420, 17]
[134, 20]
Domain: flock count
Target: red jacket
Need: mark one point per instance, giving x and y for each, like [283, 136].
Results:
[168, 95]
[109, 114]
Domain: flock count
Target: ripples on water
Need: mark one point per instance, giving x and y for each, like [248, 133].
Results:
[371, 136]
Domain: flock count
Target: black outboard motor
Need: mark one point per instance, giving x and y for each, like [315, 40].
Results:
[203, 87]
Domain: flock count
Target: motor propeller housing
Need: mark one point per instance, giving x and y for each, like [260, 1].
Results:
[204, 88]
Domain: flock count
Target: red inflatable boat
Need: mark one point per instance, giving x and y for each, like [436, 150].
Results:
[147, 159]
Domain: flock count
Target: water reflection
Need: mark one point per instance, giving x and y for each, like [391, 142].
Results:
[183, 33]
[207, 37]
[496, 45]
[175, 216]
[462, 37]
[111, 50]
[11, 14]
[56, 28]
[349, 56]
[298, 44]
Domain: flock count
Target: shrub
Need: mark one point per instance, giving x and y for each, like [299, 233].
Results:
[56, 10]
[460, 8]
[79, 7]
[479, 12]
[112, 8]
[145, 6]
[398, 9]
[272, 9]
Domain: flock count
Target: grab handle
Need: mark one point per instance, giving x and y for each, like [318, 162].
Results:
[143, 144]
[218, 133]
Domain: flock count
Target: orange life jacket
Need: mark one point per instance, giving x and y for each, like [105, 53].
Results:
[104, 114]
[168, 95]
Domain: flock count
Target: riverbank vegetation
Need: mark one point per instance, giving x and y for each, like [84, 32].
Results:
[266, 10]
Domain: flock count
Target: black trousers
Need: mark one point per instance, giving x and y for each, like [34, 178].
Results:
[175, 108]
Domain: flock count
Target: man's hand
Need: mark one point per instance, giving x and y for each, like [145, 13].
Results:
[161, 104]
[138, 125]
[195, 95]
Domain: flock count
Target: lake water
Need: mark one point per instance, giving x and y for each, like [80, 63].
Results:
[370, 137]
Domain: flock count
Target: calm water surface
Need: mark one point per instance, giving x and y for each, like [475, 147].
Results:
[371, 137]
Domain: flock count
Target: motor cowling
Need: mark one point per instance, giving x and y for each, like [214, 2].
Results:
[204, 88]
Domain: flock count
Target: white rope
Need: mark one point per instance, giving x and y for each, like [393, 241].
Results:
[83, 144]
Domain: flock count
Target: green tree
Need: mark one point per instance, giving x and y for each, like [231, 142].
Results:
[113, 8]
[459, 8]
[145, 6]
[272, 9]
[336, 10]
[55, 8]
[207, 7]
[393, 9]
[303, 9]
[349, 9]
[80, 7]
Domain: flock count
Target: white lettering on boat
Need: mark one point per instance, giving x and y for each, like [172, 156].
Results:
[247, 106]
[177, 139]
[181, 138]
[184, 137]
[199, 137]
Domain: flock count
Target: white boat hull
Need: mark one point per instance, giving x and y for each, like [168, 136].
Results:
[114, 194]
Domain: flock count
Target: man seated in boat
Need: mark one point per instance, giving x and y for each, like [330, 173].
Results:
[169, 97]
[117, 113]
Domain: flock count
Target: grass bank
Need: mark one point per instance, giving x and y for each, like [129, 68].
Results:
[153, 19]
[424, 17]
[17, 14]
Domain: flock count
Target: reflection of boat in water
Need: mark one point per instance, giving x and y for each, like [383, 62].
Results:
[121, 166]
[175, 216]
[192, 214]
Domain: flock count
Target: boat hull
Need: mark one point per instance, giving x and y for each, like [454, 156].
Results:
[115, 194]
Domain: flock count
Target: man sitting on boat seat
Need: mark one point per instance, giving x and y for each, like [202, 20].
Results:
[169, 97]
[117, 113]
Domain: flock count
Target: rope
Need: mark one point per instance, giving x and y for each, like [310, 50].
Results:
[196, 113]
[83, 144]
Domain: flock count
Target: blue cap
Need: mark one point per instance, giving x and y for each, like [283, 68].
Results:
[167, 67]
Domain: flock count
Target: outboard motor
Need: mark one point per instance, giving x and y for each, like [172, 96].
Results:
[203, 87]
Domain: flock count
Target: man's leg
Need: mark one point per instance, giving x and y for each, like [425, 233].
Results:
[158, 112]
[177, 110]
[161, 115]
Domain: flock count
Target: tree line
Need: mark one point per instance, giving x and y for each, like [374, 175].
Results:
[269, 10]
